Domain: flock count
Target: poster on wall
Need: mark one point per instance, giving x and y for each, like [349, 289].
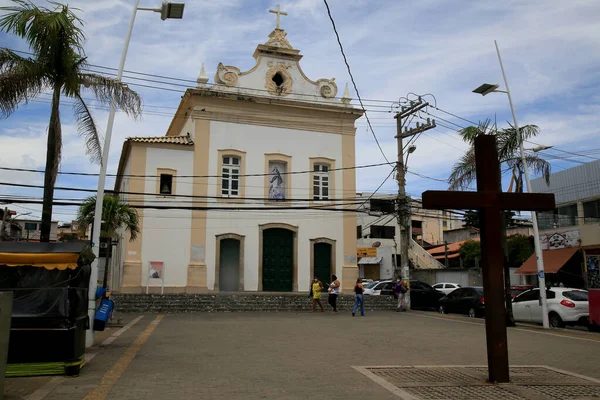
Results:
[560, 240]
[156, 270]
[593, 268]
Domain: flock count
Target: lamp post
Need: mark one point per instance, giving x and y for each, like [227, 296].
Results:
[168, 10]
[487, 88]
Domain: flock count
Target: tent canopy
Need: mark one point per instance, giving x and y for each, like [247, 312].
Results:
[44, 255]
[554, 260]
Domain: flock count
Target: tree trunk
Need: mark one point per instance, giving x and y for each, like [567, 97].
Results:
[107, 264]
[52, 161]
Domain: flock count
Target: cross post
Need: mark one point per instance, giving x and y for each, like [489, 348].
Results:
[491, 203]
[279, 13]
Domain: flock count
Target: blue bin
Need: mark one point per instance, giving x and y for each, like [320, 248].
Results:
[103, 314]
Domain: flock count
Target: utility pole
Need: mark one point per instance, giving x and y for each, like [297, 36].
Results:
[445, 254]
[404, 206]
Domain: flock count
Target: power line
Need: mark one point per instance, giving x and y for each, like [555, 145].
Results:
[191, 176]
[352, 79]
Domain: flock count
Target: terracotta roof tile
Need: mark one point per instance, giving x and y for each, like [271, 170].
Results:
[185, 140]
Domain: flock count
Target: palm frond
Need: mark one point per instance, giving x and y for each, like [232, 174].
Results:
[48, 32]
[463, 172]
[510, 142]
[539, 166]
[469, 133]
[20, 80]
[86, 127]
[109, 90]
[115, 214]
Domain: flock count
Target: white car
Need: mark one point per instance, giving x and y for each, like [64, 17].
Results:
[445, 287]
[566, 306]
[374, 288]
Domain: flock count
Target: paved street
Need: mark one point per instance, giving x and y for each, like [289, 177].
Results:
[292, 356]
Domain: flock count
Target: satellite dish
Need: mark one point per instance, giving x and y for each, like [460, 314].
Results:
[376, 244]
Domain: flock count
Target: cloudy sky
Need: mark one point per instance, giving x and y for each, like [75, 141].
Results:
[550, 48]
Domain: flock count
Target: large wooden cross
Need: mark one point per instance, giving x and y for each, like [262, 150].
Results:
[491, 203]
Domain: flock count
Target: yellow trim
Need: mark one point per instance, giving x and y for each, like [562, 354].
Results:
[132, 266]
[166, 171]
[279, 157]
[331, 163]
[50, 261]
[349, 266]
[241, 181]
[196, 273]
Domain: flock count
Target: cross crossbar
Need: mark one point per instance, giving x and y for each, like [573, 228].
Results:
[441, 200]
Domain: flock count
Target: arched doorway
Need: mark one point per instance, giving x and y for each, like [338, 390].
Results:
[278, 260]
[322, 261]
[229, 266]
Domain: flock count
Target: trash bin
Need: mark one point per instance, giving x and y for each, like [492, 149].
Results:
[103, 314]
[5, 316]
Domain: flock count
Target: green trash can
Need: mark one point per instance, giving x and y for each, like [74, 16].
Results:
[6, 299]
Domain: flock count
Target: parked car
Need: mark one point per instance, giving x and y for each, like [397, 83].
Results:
[421, 294]
[518, 289]
[374, 288]
[466, 300]
[566, 306]
[445, 287]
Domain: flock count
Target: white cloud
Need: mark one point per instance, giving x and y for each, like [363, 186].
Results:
[550, 49]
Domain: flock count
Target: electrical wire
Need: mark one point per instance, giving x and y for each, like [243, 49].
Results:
[352, 79]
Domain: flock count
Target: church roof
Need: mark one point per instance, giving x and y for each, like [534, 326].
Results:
[185, 140]
[276, 74]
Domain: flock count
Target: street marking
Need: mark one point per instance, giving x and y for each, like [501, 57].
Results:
[516, 329]
[46, 389]
[112, 376]
[390, 387]
[120, 331]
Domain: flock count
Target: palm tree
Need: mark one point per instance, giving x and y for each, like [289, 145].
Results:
[463, 174]
[116, 216]
[58, 64]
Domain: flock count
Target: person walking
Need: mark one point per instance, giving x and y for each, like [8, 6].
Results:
[334, 290]
[359, 299]
[400, 291]
[316, 288]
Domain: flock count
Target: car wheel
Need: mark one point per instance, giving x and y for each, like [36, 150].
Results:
[442, 310]
[472, 313]
[555, 320]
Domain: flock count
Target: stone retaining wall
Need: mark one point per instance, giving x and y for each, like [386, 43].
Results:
[238, 302]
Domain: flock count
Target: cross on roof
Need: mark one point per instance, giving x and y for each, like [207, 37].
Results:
[278, 11]
[490, 201]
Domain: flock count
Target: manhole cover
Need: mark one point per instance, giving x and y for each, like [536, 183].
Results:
[469, 382]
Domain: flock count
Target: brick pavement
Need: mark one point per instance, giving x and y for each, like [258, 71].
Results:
[303, 355]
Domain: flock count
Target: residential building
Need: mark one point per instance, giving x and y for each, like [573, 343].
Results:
[71, 230]
[227, 169]
[378, 235]
[570, 234]
[25, 229]
[468, 233]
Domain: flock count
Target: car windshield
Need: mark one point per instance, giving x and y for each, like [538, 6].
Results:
[370, 285]
[576, 295]
[516, 292]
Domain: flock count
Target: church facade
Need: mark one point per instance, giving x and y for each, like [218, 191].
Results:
[248, 188]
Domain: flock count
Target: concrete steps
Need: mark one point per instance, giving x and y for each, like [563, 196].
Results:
[238, 302]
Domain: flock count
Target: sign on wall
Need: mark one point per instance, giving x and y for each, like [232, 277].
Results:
[156, 270]
[366, 252]
[560, 240]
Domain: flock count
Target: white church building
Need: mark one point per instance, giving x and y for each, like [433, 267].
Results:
[230, 195]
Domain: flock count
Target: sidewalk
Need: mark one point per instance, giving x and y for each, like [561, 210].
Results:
[304, 355]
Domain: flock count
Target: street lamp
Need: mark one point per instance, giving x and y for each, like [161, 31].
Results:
[540, 148]
[411, 149]
[168, 10]
[487, 88]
